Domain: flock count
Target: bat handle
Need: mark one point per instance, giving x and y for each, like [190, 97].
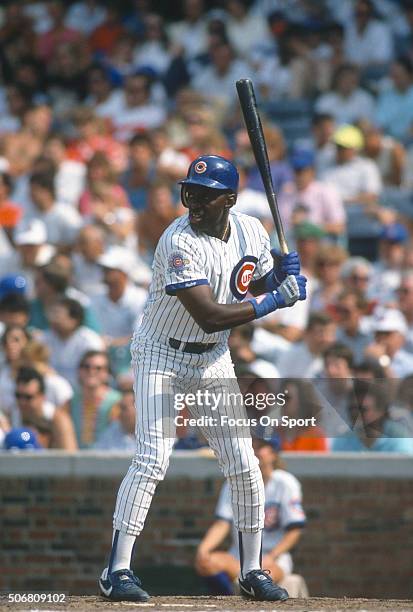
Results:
[283, 245]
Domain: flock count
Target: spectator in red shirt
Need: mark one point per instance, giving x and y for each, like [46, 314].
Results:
[302, 403]
[58, 33]
[10, 213]
[106, 35]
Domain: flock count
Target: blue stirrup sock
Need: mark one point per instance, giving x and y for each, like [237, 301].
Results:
[250, 551]
[122, 551]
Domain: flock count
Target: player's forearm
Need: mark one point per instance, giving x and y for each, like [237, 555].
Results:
[288, 542]
[227, 316]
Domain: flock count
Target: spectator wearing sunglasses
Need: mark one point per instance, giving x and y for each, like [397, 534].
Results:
[53, 426]
[94, 402]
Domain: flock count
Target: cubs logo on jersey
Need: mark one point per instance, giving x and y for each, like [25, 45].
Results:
[271, 516]
[241, 276]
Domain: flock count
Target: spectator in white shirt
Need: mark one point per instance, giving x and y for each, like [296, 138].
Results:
[357, 179]
[245, 30]
[70, 175]
[347, 102]
[305, 359]
[67, 338]
[390, 330]
[190, 34]
[241, 344]
[154, 50]
[387, 270]
[133, 110]
[122, 304]
[101, 95]
[87, 273]
[368, 41]
[323, 128]
[216, 81]
[31, 252]
[62, 222]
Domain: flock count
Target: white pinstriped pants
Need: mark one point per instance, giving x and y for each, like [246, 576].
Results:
[155, 367]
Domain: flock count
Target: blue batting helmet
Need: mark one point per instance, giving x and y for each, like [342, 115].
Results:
[212, 171]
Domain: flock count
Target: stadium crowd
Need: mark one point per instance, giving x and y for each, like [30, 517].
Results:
[102, 108]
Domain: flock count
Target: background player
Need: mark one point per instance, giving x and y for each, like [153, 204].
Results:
[204, 265]
[283, 524]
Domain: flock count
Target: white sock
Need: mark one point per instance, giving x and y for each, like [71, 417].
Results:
[250, 551]
[122, 547]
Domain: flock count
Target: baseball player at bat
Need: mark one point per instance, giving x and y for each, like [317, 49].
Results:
[205, 264]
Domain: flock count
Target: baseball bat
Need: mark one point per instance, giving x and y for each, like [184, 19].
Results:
[253, 124]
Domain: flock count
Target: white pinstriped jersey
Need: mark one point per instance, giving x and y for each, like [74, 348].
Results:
[185, 258]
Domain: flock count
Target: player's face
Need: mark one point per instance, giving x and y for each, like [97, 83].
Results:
[207, 207]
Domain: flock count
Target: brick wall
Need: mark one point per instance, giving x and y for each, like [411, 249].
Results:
[55, 524]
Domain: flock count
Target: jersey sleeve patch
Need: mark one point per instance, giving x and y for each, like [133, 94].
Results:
[178, 262]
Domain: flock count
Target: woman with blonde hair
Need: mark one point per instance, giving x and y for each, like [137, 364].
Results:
[58, 390]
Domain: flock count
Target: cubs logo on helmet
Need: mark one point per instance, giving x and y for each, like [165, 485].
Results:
[200, 167]
[241, 276]
[212, 171]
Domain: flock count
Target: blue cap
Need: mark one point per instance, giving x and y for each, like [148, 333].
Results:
[271, 438]
[12, 283]
[21, 438]
[212, 171]
[302, 159]
[395, 232]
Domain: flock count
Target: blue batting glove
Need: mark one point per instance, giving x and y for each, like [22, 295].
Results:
[284, 265]
[292, 289]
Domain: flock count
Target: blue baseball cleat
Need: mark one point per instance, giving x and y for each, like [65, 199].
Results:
[258, 585]
[122, 585]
